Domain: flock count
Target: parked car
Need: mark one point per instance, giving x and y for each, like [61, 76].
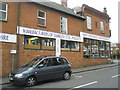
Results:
[41, 68]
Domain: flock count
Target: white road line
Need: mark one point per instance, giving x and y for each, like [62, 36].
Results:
[78, 76]
[115, 76]
[85, 85]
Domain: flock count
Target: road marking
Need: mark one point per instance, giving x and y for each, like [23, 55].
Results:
[85, 85]
[115, 76]
[78, 76]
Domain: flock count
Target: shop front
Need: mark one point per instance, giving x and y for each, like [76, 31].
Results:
[8, 52]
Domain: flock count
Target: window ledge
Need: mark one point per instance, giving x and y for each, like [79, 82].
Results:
[41, 25]
[3, 20]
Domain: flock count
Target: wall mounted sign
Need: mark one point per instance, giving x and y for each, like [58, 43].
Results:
[47, 34]
[92, 36]
[8, 37]
[13, 51]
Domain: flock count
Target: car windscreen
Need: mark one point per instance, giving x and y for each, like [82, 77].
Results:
[33, 62]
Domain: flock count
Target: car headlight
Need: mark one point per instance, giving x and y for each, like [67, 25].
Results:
[18, 75]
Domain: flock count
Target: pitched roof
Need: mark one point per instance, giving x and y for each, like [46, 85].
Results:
[96, 12]
[60, 8]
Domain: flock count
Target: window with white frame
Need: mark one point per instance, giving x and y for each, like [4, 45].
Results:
[41, 18]
[63, 25]
[3, 11]
[102, 26]
[89, 23]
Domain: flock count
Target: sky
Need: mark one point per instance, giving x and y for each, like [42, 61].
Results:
[112, 10]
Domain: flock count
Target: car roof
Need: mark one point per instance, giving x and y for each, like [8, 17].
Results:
[50, 56]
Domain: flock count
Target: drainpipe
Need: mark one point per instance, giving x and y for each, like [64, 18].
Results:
[18, 36]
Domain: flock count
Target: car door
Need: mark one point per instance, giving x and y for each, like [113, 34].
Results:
[44, 72]
[58, 68]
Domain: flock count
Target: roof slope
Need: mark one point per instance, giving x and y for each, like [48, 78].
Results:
[60, 8]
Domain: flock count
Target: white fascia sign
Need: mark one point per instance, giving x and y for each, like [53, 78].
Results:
[47, 34]
[12, 38]
[92, 36]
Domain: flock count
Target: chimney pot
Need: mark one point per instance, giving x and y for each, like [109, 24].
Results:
[105, 10]
[64, 3]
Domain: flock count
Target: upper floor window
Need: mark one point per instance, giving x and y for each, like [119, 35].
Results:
[63, 25]
[102, 26]
[3, 11]
[41, 18]
[89, 23]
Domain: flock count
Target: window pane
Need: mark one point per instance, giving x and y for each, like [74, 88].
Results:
[89, 23]
[0, 5]
[41, 21]
[65, 45]
[4, 15]
[41, 14]
[102, 26]
[3, 6]
[63, 25]
[0, 15]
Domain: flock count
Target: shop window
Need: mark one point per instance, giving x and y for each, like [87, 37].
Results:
[102, 27]
[70, 45]
[87, 48]
[48, 43]
[32, 42]
[89, 23]
[3, 11]
[102, 48]
[41, 18]
[75, 46]
[94, 47]
[63, 25]
[65, 45]
[107, 49]
[39, 43]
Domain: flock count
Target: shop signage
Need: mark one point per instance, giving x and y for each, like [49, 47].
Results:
[92, 36]
[8, 38]
[47, 34]
[13, 51]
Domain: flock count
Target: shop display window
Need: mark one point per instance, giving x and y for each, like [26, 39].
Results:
[102, 49]
[70, 45]
[39, 43]
[107, 49]
[32, 42]
[96, 49]
[48, 43]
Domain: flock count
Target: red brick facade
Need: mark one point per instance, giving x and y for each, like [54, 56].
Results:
[25, 15]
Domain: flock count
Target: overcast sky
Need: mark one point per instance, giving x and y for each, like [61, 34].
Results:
[112, 10]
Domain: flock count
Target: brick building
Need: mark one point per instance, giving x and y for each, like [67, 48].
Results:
[31, 29]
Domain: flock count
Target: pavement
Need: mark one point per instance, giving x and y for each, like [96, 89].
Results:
[5, 80]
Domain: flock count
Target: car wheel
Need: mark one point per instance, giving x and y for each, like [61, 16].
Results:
[31, 81]
[66, 76]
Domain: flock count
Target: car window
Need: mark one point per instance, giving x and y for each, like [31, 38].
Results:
[45, 62]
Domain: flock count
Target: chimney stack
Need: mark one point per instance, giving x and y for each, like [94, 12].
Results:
[105, 10]
[64, 3]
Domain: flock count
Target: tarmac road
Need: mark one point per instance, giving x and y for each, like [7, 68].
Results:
[102, 78]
